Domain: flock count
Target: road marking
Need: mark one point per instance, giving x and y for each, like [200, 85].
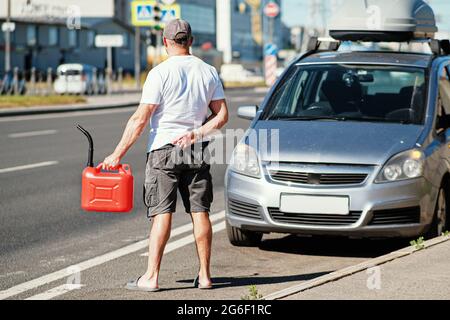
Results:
[29, 166]
[55, 292]
[261, 89]
[93, 262]
[67, 115]
[171, 246]
[32, 133]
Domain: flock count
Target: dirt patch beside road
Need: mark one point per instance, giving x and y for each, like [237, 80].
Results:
[32, 101]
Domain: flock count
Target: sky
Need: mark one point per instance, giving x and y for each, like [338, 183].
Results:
[295, 12]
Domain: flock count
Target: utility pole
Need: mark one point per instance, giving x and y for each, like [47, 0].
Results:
[8, 38]
[137, 57]
[271, 28]
[109, 70]
[157, 17]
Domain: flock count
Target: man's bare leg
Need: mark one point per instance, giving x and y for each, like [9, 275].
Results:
[159, 235]
[203, 241]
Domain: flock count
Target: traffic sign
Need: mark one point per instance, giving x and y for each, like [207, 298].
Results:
[272, 9]
[143, 13]
[11, 26]
[270, 63]
[109, 40]
[270, 49]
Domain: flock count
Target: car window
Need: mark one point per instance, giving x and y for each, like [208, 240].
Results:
[390, 81]
[350, 92]
[289, 95]
[444, 91]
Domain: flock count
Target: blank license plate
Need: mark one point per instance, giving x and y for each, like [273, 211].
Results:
[294, 203]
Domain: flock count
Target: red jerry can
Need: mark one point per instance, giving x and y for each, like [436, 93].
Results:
[105, 191]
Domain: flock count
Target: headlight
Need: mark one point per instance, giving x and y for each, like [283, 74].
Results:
[405, 165]
[245, 161]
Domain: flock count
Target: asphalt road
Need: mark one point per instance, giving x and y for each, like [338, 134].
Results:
[43, 230]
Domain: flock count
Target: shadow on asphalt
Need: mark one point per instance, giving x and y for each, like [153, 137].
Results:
[227, 282]
[331, 246]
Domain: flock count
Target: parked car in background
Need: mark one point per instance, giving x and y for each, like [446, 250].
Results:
[74, 78]
[236, 73]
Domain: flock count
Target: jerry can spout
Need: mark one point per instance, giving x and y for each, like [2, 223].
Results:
[90, 162]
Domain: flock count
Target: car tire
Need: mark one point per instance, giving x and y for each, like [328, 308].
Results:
[441, 218]
[243, 238]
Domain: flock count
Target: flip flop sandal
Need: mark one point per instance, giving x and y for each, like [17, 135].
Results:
[133, 286]
[197, 284]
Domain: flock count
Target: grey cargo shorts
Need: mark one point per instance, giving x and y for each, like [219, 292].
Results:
[171, 169]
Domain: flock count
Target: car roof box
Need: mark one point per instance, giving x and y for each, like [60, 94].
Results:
[383, 20]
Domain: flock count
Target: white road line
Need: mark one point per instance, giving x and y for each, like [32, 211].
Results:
[61, 274]
[261, 90]
[68, 114]
[55, 292]
[32, 133]
[187, 240]
[171, 246]
[241, 99]
[29, 166]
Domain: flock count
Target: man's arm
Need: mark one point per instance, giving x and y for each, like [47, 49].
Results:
[216, 121]
[135, 126]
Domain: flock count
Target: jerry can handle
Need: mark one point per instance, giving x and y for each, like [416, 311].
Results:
[123, 168]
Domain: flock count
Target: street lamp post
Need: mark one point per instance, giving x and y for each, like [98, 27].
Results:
[8, 37]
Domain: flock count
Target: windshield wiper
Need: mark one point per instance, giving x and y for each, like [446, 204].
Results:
[341, 118]
[308, 118]
[377, 119]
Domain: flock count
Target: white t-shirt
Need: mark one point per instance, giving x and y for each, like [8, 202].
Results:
[182, 87]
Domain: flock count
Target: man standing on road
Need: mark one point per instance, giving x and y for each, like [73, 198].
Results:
[176, 97]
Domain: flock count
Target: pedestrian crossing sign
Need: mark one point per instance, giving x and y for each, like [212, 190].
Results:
[143, 13]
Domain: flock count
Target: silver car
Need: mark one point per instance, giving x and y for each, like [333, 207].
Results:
[362, 150]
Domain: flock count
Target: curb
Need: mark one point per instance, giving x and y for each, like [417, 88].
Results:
[69, 108]
[339, 274]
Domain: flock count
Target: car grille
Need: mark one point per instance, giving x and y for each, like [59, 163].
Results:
[318, 178]
[396, 216]
[243, 209]
[314, 219]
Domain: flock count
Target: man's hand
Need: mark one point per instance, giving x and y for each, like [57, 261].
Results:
[186, 139]
[111, 162]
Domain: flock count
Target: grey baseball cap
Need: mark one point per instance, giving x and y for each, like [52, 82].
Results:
[176, 29]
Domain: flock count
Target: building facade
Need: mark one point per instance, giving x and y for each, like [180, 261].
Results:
[50, 32]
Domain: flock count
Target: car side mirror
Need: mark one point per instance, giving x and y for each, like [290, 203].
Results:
[247, 112]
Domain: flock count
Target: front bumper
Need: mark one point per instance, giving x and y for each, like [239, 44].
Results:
[365, 199]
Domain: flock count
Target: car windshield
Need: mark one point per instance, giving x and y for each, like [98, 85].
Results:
[350, 92]
[70, 72]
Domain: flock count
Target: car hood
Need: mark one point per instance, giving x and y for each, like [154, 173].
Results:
[336, 142]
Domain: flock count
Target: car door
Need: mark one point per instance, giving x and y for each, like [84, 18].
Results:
[442, 126]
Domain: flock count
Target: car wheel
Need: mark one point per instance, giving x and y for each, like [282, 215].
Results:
[243, 238]
[441, 217]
